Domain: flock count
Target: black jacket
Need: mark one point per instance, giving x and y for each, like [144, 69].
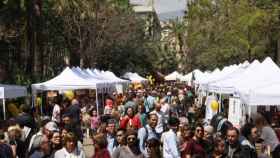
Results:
[249, 152]
[27, 120]
[242, 151]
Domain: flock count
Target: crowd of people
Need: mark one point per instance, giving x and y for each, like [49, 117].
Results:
[163, 121]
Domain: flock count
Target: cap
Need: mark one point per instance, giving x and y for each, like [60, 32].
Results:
[52, 126]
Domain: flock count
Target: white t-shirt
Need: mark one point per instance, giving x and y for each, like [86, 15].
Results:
[63, 153]
[165, 108]
[269, 137]
[56, 113]
[160, 123]
[170, 144]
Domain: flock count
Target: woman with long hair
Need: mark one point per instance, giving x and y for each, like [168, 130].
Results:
[219, 148]
[130, 120]
[100, 146]
[268, 135]
[70, 148]
[56, 143]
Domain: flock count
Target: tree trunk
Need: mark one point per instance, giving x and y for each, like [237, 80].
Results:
[277, 52]
[249, 41]
[30, 39]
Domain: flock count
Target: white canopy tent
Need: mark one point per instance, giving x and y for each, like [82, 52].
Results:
[197, 74]
[220, 74]
[111, 75]
[256, 84]
[260, 88]
[76, 78]
[97, 76]
[109, 79]
[265, 95]
[135, 77]
[173, 76]
[11, 91]
[227, 84]
[203, 77]
[68, 80]
[251, 85]
[92, 77]
[187, 77]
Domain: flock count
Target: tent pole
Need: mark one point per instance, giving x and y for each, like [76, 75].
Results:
[4, 109]
[103, 98]
[97, 104]
[249, 110]
[220, 100]
[41, 106]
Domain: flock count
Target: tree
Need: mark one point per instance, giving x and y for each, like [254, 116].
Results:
[227, 32]
[42, 37]
[176, 39]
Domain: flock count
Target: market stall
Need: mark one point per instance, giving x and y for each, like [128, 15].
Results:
[11, 91]
[134, 77]
[68, 80]
[173, 76]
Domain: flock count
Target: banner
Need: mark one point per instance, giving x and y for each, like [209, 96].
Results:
[235, 112]
[209, 113]
[2, 92]
[119, 88]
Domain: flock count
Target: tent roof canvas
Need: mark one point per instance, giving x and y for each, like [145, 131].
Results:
[66, 80]
[12, 91]
[228, 84]
[134, 77]
[173, 76]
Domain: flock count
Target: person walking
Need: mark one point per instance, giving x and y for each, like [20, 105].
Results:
[250, 133]
[219, 148]
[100, 146]
[130, 120]
[148, 132]
[131, 150]
[170, 141]
[233, 147]
[70, 148]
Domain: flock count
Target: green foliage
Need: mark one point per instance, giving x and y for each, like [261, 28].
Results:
[41, 36]
[226, 32]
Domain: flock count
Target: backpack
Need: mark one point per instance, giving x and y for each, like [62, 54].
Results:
[147, 134]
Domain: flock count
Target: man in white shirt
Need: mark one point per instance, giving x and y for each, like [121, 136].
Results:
[56, 114]
[165, 107]
[148, 132]
[161, 119]
[170, 141]
[111, 139]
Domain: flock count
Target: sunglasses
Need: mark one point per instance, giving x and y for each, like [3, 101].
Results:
[199, 130]
[131, 138]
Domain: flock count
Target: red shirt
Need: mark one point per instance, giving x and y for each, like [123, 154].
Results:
[104, 153]
[130, 122]
[194, 148]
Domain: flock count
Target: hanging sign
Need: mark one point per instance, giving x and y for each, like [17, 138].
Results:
[2, 92]
[209, 111]
[235, 111]
[119, 88]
